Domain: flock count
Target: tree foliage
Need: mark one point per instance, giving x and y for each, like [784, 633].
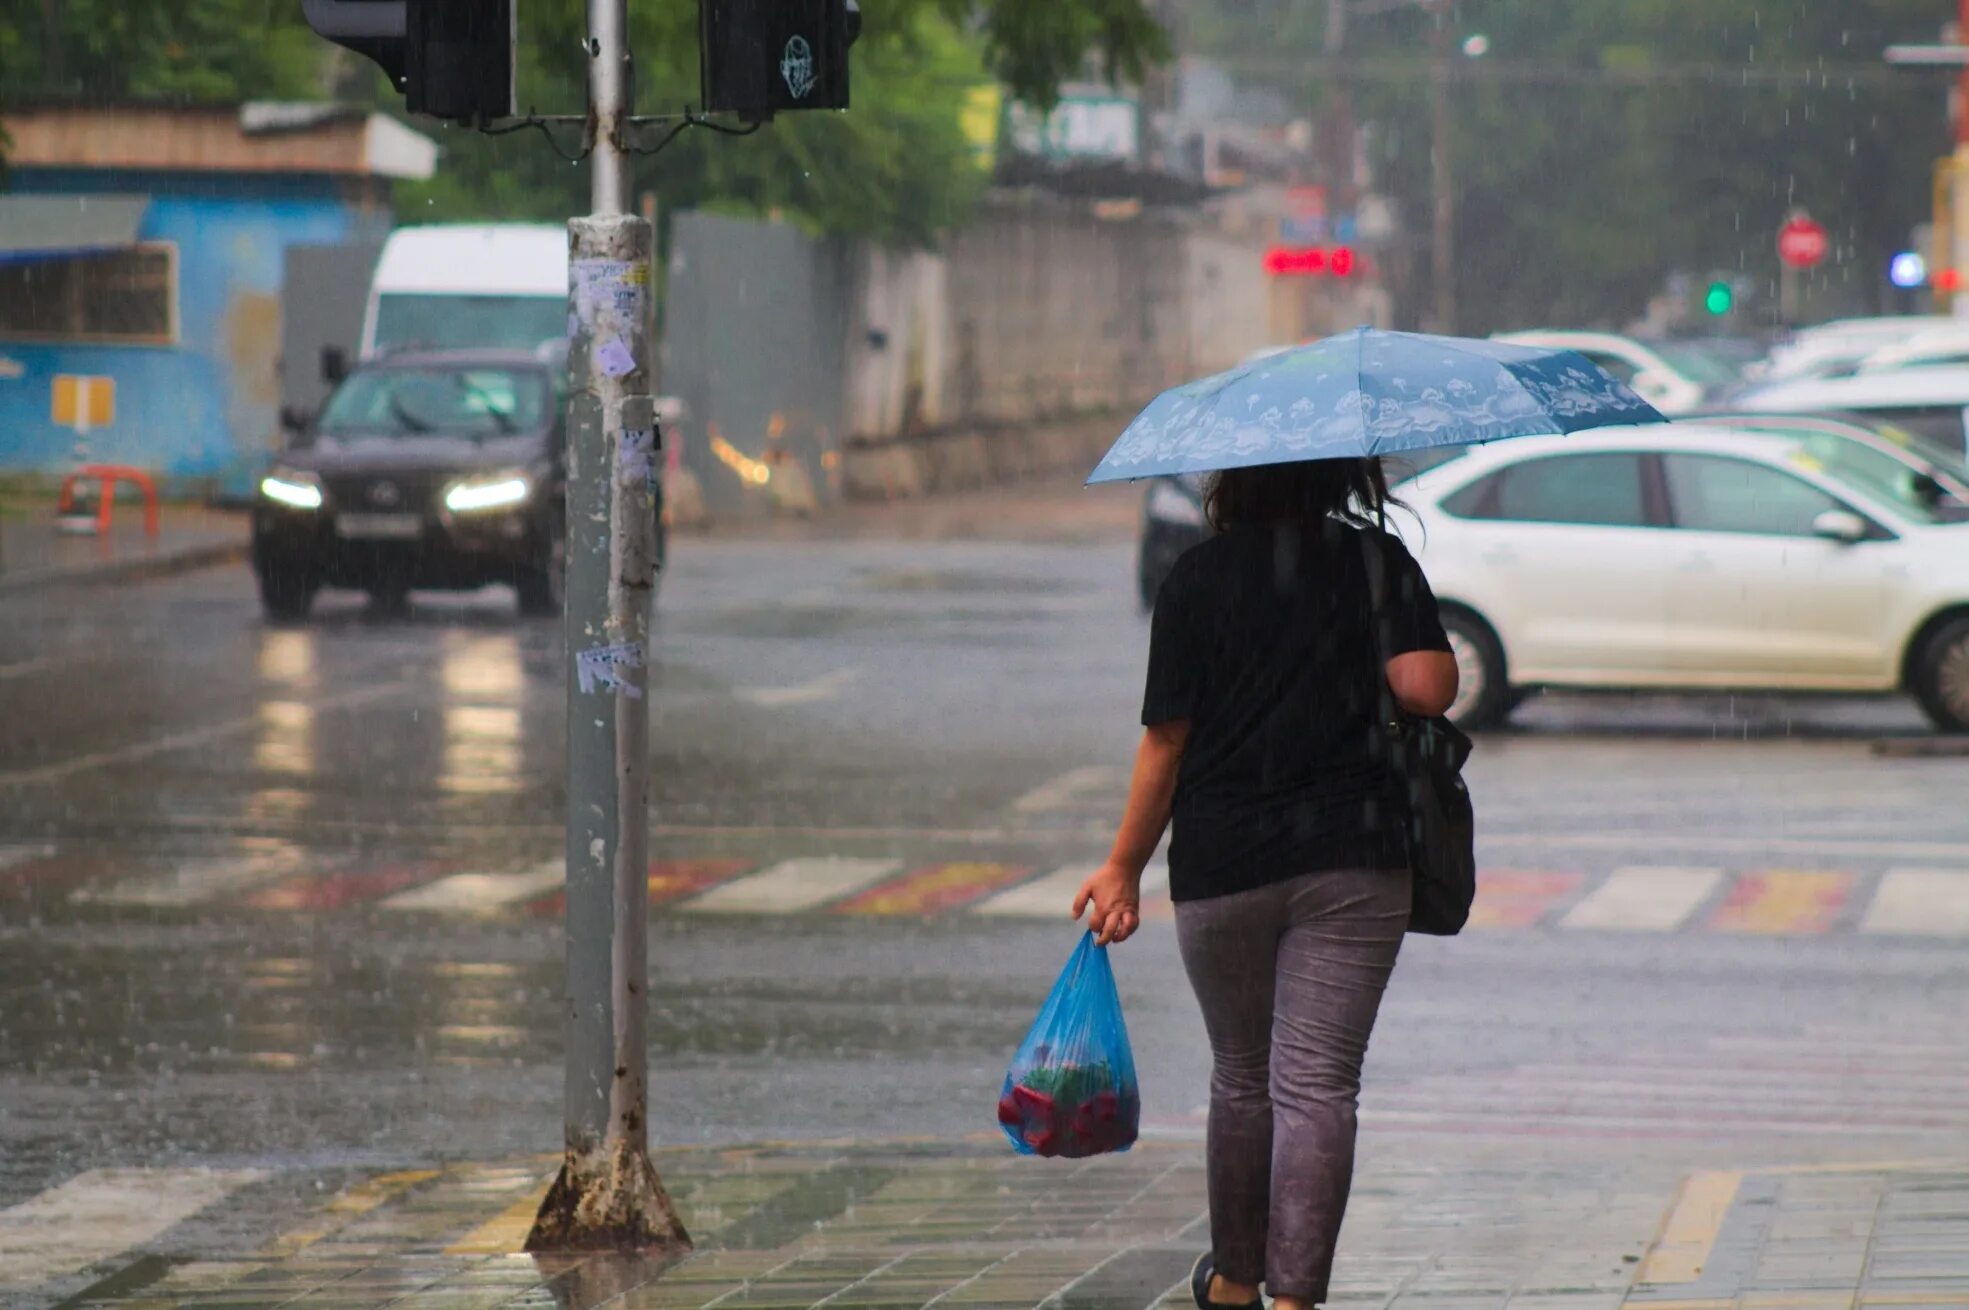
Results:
[897, 166]
[1602, 145]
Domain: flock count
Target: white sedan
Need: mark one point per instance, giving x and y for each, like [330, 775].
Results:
[1673, 386]
[1685, 556]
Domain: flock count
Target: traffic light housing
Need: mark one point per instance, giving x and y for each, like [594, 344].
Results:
[759, 57]
[452, 59]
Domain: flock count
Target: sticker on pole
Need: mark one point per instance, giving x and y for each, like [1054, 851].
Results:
[635, 454]
[614, 359]
[608, 285]
[604, 669]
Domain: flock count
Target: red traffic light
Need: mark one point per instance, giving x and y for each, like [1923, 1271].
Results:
[1311, 261]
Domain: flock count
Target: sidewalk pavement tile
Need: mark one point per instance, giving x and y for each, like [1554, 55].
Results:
[968, 1227]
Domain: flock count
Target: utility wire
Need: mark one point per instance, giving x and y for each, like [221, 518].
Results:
[536, 121]
[691, 119]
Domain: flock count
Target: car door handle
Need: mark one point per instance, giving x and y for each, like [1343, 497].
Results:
[1500, 555]
[1696, 564]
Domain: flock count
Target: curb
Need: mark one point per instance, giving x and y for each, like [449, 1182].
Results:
[131, 570]
[1922, 748]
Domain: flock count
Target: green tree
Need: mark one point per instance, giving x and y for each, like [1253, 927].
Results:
[162, 49]
[896, 167]
[1603, 144]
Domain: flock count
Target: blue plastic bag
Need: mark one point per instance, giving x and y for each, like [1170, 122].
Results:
[1071, 1090]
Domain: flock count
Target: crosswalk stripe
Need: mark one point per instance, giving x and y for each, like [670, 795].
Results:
[792, 886]
[1050, 897]
[1069, 789]
[934, 889]
[197, 882]
[1514, 898]
[98, 1214]
[669, 880]
[1920, 903]
[1783, 901]
[338, 890]
[481, 892]
[1654, 898]
[1156, 903]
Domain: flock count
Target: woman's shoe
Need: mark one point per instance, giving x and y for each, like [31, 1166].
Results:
[1200, 1275]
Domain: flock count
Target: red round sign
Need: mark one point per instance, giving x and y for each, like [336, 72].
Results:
[1803, 243]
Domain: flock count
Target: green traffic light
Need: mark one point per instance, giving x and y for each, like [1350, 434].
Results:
[1720, 299]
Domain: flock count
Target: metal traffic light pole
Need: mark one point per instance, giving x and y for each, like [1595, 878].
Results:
[608, 1195]
[454, 59]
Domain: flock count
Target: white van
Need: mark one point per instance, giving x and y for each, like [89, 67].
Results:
[461, 285]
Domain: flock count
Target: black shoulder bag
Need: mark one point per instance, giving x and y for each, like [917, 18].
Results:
[1427, 756]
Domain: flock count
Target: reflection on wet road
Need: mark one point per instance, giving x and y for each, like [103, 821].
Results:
[287, 898]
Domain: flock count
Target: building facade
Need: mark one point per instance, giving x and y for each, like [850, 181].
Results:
[141, 258]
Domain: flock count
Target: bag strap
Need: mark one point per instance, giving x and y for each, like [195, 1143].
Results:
[1378, 621]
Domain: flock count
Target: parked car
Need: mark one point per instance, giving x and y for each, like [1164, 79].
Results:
[1929, 402]
[1836, 348]
[1172, 516]
[422, 470]
[1927, 349]
[1673, 381]
[1687, 556]
[1939, 477]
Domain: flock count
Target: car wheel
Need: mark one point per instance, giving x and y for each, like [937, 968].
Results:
[287, 591]
[542, 587]
[1941, 676]
[1483, 696]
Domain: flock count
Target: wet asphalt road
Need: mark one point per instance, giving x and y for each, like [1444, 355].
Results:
[214, 834]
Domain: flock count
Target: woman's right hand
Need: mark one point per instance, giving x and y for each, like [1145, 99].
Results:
[1114, 894]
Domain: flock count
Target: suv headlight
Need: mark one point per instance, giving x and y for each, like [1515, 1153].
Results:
[292, 488]
[491, 491]
[1171, 504]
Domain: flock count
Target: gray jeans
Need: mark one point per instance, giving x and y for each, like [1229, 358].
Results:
[1290, 977]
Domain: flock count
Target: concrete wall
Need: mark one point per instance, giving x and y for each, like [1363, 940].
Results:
[752, 344]
[1032, 336]
[1023, 344]
[203, 409]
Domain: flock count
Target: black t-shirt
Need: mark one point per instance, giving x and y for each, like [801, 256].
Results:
[1262, 639]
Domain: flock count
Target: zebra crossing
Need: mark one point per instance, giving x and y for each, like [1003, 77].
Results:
[102, 1212]
[1909, 902]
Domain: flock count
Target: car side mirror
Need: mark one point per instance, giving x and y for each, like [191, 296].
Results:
[1842, 526]
[334, 364]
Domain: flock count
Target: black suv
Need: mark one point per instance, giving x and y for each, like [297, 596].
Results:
[442, 469]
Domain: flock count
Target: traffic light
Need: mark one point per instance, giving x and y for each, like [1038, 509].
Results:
[1720, 299]
[452, 59]
[758, 57]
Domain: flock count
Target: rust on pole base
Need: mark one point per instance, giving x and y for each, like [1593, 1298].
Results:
[609, 1200]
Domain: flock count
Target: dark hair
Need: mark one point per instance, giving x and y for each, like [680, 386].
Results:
[1307, 492]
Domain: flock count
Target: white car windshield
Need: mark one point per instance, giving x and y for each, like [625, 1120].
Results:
[1873, 473]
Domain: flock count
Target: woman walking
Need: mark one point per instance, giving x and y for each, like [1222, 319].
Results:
[1266, 679]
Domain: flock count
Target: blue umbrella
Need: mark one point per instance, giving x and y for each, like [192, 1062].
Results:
[1369, 392]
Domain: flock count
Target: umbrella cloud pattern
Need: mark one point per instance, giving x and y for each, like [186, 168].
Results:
[1369, 392]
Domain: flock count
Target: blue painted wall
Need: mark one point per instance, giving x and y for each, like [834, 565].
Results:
[204, 410]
